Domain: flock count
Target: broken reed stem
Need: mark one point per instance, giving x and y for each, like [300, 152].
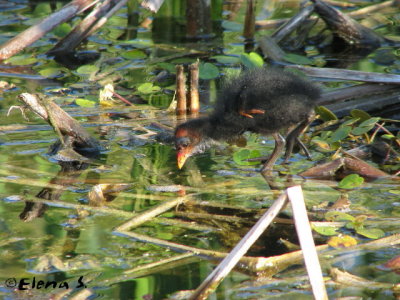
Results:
[35, 32]
[102, 210]
[187, 101]
[271, 49]
[193, 101]
[251, 264]
[293, 24]
[249, 21]
[228, 263]
[356, 14]
[335, 73]
[149, 214]
[180, 91]
[307, 244]
[159, 263]
[93, 21]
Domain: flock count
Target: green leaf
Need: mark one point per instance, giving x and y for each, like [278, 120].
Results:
[360, 130]
[208, 71]
[42, 9]
[148, 88]
[350, 122]
[336, 216]
[160, 100]
[225, 59]
[341, 133]
[372, 233]
[22, 60]
[139, 43]
[243, 154]
[396, 192]
[134, 54]
[85, 103]
[325, 230]
[251, 60]
[297, 59]
[365, 126]
[87, 69]
[388, 136]
[62, 30]
[360, 114]
[325, 114]
[351, 181]
[322, 145]
[50, 72]
[167, 66]
[370, 122]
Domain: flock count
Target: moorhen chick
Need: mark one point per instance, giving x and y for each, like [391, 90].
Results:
[259, 100]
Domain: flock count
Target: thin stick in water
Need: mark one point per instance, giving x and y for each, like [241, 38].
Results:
[180, 91]
[194, 103]
[229, 262]
[304, 233]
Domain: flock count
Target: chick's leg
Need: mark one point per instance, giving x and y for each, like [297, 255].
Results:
[293, 137]
[279, 146]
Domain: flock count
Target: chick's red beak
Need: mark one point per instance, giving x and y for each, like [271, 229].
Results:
[184, 145]
[181, 156]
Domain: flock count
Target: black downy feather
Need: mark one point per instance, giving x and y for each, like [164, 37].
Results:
[286, 99]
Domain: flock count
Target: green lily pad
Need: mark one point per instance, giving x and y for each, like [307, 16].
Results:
[225, 59]
[87, 69]
[208, 71]
[351, 181]
[240, 156]
[42, 9]
[62, 30]
[148, 88]
[297, 59]
[371, 233]
[134, 54]
[50, 72]
[85, 103]
[325, 230]
[139, 43]
[337, 216]
[251, 60]
[167, 66]
[22, 60]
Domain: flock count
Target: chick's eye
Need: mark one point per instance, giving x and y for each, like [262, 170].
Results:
[181, 146]
[182, 143]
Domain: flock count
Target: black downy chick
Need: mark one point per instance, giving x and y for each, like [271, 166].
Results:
[261, 100]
